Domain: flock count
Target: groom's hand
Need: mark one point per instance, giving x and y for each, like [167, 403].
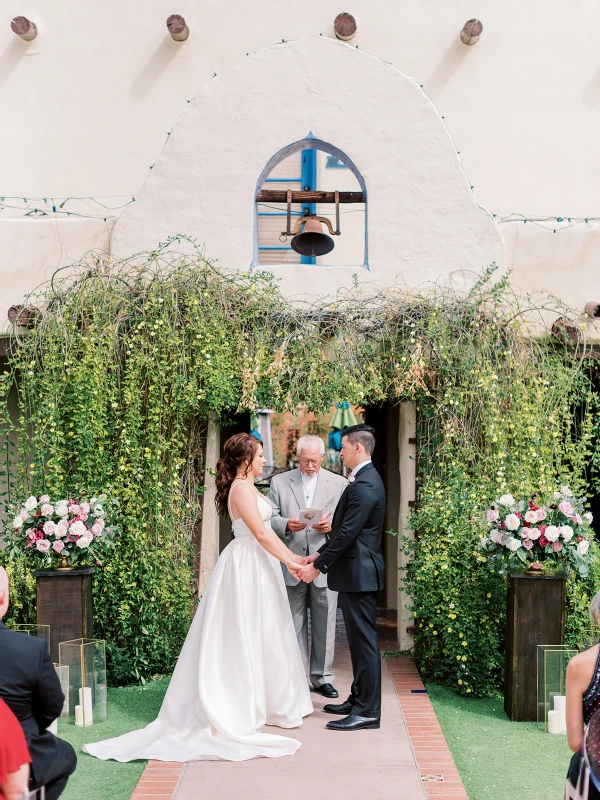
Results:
[309, 559]
[307, 573]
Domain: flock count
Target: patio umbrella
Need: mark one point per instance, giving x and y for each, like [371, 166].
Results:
[342, 418]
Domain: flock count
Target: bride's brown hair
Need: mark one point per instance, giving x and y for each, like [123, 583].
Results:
[239, 449]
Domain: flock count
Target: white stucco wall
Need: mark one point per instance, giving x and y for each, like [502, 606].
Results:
[423, 220]
[31, 250]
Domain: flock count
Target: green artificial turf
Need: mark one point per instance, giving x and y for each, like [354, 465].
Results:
[499, 759]
[128, 708]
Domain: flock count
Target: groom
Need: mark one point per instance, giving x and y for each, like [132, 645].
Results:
[353, 562]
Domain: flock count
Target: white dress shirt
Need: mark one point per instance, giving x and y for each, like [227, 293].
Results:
[358, 467]
[309, 484]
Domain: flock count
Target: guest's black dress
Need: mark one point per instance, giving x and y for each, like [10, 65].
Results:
[591, 704]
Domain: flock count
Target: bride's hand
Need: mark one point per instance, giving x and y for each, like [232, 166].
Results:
[298, 559]
[294, 566]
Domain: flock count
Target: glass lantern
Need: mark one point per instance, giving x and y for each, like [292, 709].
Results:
[41, 631]
[61, 725]
[87, 690]
[552, 660]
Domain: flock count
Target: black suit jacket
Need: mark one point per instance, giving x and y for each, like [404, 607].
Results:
[30, 687]
[352, 557]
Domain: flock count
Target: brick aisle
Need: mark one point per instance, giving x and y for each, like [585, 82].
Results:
[435, 765]
[441, 779]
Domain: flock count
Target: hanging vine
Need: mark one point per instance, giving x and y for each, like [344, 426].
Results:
[128, 359]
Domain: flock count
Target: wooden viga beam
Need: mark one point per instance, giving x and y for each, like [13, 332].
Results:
[277, 196]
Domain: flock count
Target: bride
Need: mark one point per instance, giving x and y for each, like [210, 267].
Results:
[240, 667]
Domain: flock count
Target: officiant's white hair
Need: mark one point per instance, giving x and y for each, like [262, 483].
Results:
[310, 440]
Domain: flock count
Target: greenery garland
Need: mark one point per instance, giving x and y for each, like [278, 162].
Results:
[129, 358]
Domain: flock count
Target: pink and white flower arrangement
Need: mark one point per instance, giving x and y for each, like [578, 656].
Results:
[76, 529]
[552, 535]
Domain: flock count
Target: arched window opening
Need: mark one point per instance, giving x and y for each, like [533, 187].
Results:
[310, 165]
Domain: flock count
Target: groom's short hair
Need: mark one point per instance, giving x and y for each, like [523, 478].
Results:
[364, 434]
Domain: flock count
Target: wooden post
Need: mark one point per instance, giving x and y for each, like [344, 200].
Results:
[471, 32]
[64, 601]
[408, 476]
[177, 28]
[209, 545]
[24, 28]
[344, 26]
[535, 614]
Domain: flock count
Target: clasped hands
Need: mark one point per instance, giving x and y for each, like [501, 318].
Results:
[303, 567]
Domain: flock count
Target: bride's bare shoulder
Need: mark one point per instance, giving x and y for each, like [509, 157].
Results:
[242, 490]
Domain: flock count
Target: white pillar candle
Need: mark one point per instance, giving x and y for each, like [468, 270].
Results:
[554, 722]
[560, 705]
[79, 715]
[85, 701]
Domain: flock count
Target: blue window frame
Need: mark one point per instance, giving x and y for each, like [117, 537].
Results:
[309, 184]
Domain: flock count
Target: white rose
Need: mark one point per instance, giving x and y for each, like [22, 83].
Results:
[496, 536]
[512, 522]
[513, 544]
[552, 533]
[589, 516]
[507, 500]
[17, 522]
[78, 528]
[83, 542]
[47, 509]
[98, 510]
[61, 529]
[484, 541]
[557, 495]
[530, 533]
[531, 516]
[566, 532]
[583, 547]
[31, 503]
[566, 492]
[50, 528]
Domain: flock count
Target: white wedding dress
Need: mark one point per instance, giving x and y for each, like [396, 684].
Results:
[240, 669]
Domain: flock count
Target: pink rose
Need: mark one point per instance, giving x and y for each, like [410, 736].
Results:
[542, 529]
[43, 545]
[83, 516]
[100, 521]
[49, 528]
[491, 514]
[24, 515]
[97, 529]
[58, 546]
[531, 516]
[47, 510]
[74, 509]
[44, 498]
[577, 519]
[85, 507]
[541, 514]
[527, 544]
[566, 508]
[557, 546]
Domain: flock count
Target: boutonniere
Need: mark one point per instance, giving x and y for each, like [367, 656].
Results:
[351, 478]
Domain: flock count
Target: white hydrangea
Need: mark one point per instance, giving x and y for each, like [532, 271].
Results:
[507, 500]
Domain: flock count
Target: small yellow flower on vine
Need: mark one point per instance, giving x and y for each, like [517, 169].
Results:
[460, 682]
[465, 643]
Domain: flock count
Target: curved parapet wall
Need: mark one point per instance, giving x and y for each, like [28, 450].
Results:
[424, 223]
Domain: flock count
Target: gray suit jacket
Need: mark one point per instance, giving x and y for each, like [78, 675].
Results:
[287, 498]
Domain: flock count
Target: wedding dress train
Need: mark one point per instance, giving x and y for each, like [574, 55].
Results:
[240, 669]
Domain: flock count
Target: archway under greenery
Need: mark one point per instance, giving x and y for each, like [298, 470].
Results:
[128, 359]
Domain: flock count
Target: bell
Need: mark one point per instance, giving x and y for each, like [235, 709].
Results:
[312, 241]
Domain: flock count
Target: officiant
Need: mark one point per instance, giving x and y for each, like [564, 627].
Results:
[309, 487]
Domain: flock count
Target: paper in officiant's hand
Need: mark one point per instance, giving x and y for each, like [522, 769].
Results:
[309, 516]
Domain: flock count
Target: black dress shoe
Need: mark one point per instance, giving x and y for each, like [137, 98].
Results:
[343, 709]
[354, 723]
[327, 690]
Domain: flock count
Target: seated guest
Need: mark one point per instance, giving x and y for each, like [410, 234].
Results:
[583, 698]
[14, 756]
[30, 686]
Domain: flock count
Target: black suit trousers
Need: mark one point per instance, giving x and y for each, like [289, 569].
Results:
[57, 775]
[359, 610]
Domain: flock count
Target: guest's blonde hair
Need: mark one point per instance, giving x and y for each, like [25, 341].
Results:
[595, 609]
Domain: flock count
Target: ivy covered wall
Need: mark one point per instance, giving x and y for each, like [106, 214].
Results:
[128, 358]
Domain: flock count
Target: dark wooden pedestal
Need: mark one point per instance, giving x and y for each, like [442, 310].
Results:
[64, 601]
[535, 614]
